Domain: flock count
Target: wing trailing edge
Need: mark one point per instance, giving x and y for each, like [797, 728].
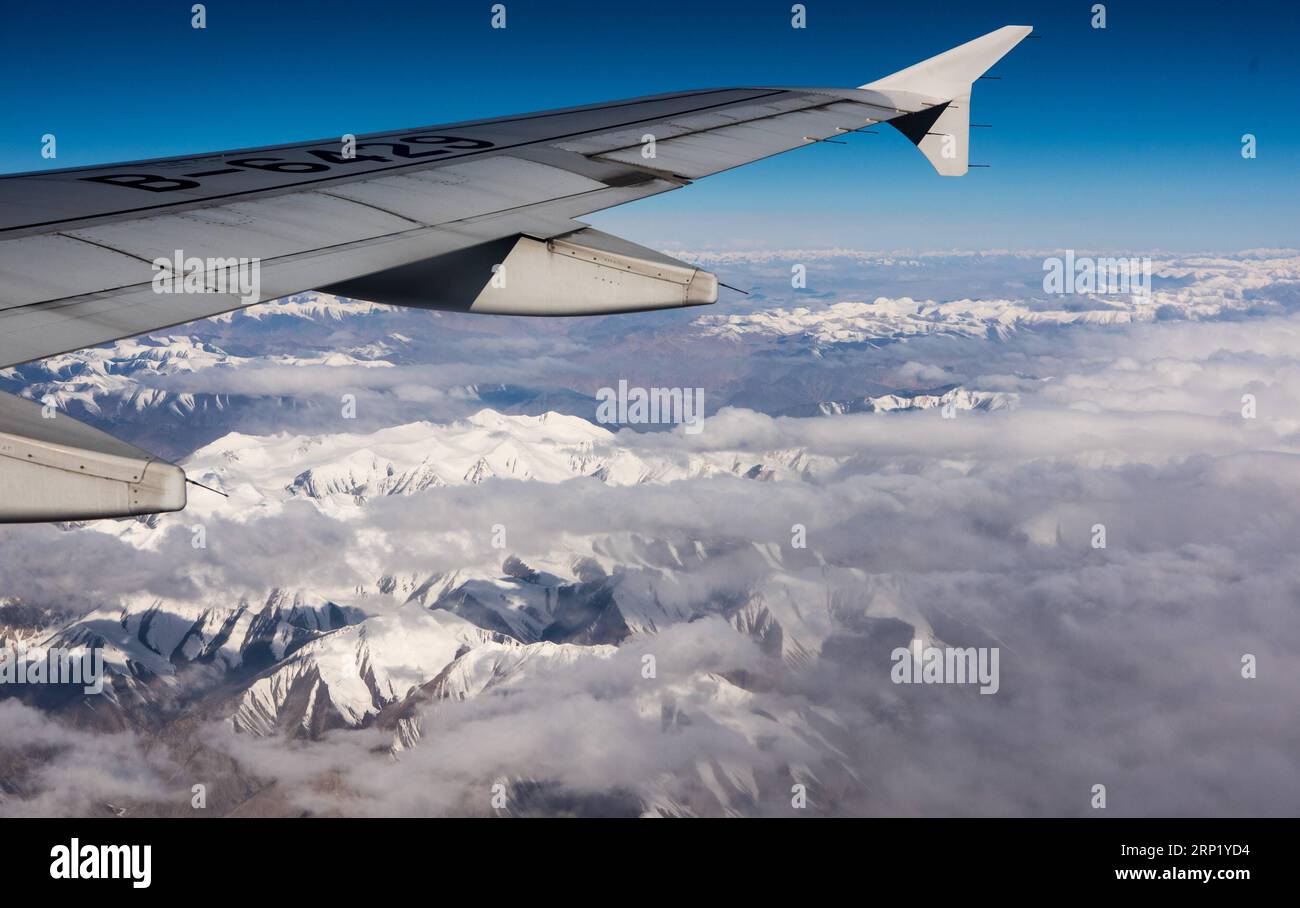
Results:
[585, 272]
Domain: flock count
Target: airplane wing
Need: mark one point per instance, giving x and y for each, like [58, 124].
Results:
[480, 216]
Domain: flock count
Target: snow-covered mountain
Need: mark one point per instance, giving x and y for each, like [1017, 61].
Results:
[305, 306]
[124, 376]
[887, 320]
[393, 652]
[722, 785]
[344, 470]
[24, 625]
[158, 654]
[343, 679]
[116, 377]
[959, 398]
[1186, 287]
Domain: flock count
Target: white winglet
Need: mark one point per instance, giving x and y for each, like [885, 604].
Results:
[942, 130]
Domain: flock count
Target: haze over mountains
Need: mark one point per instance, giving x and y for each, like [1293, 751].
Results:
[435, 572]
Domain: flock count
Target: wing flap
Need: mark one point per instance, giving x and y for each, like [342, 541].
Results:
[584, 272]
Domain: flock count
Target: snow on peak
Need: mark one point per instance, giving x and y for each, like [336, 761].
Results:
[346, 677]
[310, 306]
[894, 319]
[404, 459]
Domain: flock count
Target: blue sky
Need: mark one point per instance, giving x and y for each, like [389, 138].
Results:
[1125, 138]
